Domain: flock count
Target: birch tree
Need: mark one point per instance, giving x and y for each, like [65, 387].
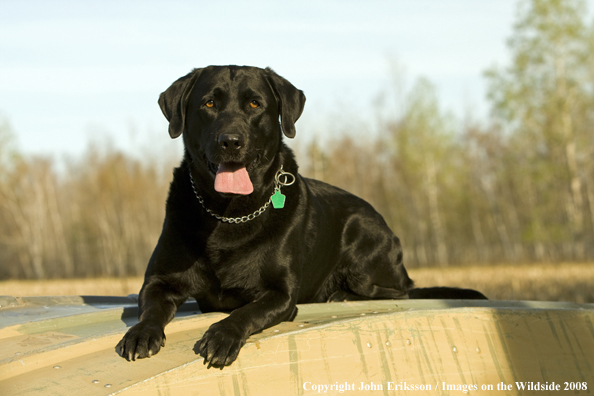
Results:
[541, 99]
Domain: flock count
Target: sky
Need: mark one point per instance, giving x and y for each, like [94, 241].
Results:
[74, 72]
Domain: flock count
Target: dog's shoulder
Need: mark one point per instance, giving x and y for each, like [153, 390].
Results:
[338, 201]
[322, 190]
[180, 188]
[182, 208]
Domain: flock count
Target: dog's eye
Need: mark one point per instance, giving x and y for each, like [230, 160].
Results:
[254, 104]
[209, 104]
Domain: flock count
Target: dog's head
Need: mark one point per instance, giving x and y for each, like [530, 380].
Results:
[229, 118]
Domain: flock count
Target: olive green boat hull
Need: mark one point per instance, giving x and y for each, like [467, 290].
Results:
[65, 346]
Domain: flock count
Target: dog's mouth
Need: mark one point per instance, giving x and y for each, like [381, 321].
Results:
[231, 178]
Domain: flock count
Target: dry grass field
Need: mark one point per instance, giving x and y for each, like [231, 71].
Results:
[551, 282]
[543, 282]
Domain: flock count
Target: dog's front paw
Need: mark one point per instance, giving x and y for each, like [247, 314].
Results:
[141, 341]
[220, 345]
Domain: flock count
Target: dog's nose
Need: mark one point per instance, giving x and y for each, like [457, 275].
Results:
[231, 141]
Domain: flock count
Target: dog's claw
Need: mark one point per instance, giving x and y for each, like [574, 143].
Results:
[220, 345]
[142, 340]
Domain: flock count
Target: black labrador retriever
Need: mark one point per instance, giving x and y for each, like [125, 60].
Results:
[244, 232]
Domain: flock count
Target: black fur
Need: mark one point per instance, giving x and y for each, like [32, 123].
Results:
[324, 245]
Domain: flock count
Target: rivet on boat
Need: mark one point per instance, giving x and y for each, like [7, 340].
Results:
[57, 367]
[107, 385]
[407, 342]
[369, 344]
[454, 349]
[95, 381]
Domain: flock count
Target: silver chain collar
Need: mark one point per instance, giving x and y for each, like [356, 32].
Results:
[278, 183]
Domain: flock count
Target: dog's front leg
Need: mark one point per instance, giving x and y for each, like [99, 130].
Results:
[221, 343]
[157, 306]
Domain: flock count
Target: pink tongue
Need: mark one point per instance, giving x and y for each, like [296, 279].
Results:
[233, 179]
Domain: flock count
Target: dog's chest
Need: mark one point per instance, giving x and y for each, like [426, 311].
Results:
[236, 269]
[226, 283]
[239, 256]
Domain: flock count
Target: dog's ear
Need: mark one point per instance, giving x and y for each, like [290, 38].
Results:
[290, 101]
[174, 100]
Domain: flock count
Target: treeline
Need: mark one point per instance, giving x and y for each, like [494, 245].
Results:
[99, 216]
[519, 188]
[470, 197]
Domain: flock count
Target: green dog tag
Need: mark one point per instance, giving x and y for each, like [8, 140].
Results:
[278, 200]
